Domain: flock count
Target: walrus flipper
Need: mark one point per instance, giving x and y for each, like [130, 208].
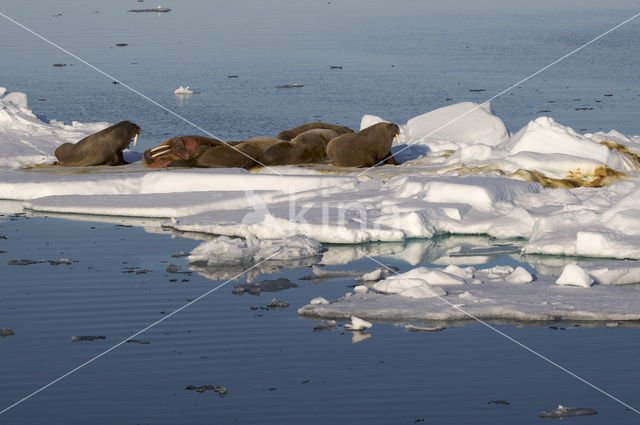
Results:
[390, 160]
[116, 159]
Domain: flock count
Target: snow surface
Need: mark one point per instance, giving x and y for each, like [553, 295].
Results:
[463, 174]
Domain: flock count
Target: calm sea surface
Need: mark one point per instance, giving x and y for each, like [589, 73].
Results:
[398, 60]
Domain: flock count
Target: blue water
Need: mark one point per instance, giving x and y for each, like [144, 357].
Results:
[398, 60]
[319, 377]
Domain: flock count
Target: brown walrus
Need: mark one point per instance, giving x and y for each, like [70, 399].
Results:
[178, 151]
[307, 147]
[292, 133]
[245, 155]
[103, 147]
[365, 148]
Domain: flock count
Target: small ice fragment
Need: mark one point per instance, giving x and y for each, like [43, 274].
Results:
[318, 300]
[466, 273]
[360, 289]
[612, 325]
[414, 328]
[573, 274]
[277, 304]
[374, 275]
[520, 275]
[182, 91]
[566, 412]
[357, 324]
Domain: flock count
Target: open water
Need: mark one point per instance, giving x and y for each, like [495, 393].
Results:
[399, 59]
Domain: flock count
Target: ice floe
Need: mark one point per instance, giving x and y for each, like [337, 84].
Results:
[464, 176]
[496, 293]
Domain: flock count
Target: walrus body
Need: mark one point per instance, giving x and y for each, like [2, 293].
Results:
[292, 133]
[365, 148]
[307, 147]
[103, 147]
[178, 151]
[245, 154]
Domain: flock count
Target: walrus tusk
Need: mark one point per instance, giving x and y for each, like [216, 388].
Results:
[159, 147]
[135, 139]
[160, 153]
[398, 137]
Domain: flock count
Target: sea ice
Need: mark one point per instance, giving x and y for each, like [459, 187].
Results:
[492, 298]
[183, 91]
[225, 250]
[430, 195]
[573, 274]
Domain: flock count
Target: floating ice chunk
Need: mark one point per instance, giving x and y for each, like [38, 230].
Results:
[566, 412]
[414, 328]
[374, 275]
[183, 91]
[573, 274]
[519, 275]
[360, 289]
[318, 301]
[225, 250]
[466, 273]
[357, 324]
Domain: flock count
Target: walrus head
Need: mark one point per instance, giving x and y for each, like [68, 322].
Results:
[133, 129]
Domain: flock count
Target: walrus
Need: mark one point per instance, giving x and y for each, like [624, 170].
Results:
[103, 147]
[365, 148]
[292, 133]
[307, 147]
[178, 151]
[243, 155]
